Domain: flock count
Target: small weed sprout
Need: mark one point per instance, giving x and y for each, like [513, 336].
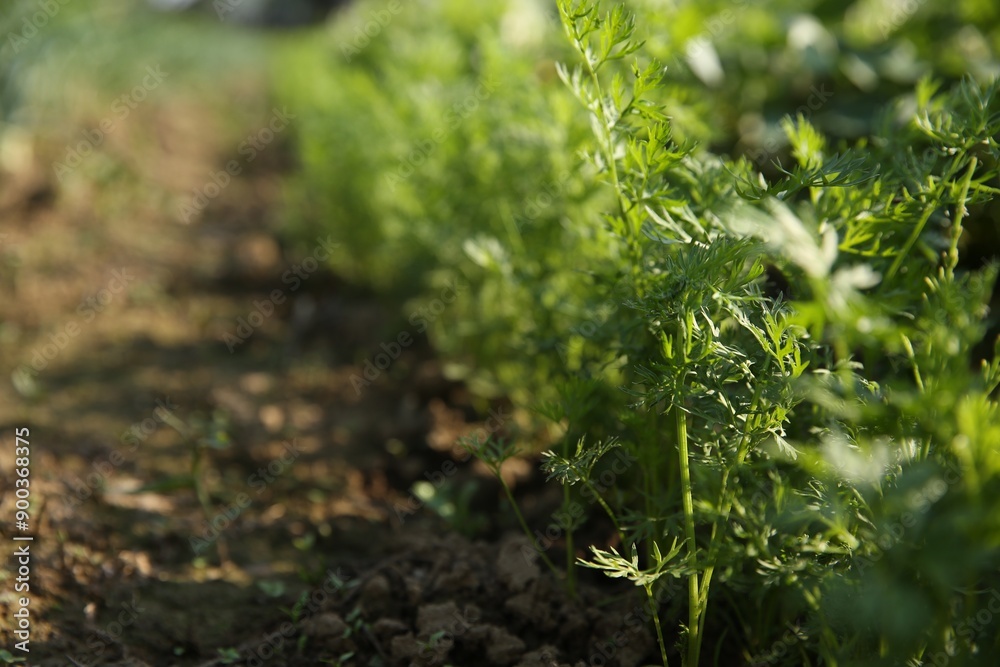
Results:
[295, 612]
[343, 660]
[203, 436]
[8, 658]
[228, 656]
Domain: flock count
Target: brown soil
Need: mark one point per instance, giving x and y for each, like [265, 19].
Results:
[318, 550]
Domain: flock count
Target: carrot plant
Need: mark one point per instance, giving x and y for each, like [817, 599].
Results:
[791, 347]
[713, 380]
[744, 384]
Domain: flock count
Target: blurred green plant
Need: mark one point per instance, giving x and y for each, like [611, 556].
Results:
[228, 656]
[8, 658]
[789, 343]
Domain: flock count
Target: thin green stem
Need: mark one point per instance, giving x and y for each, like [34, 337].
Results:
[960, 212]
[524, 524]
[828, 639]
[607, 510]
[201, 493]
[694, 592]
[653, 473]
[914, 235]
[656, 622]
[197, 483]
[925, 449]
[600, 501]
[609, 147]
[648, 469]
[570, 550]
[607, 123]
[728, 497]
[929, 208]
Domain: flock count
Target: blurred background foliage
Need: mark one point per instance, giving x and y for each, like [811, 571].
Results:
[414, 209]
[496, 194]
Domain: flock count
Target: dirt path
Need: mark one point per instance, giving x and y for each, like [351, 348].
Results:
[140, 348]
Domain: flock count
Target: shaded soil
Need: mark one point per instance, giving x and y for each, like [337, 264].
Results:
[201, 502]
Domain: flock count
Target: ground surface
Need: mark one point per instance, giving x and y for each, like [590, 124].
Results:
[309, 545]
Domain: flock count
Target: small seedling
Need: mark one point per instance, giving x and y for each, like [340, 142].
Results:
[434, 639]
[355, 622]
[228, 656]
[340, 661]
[202, 436]
[434, 644]
[305, 543]
[8, 658]
[272, 588]
[493, 452]
[342, 585]
[295, 613]
[453, 504]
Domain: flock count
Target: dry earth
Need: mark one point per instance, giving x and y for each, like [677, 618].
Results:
[306, 545]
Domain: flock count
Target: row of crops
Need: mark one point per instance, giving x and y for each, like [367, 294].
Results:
[745, 243]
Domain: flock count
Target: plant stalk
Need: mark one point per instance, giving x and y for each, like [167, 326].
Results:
[656, 622]
[570, 551]
[694, 592]
[524, 525]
